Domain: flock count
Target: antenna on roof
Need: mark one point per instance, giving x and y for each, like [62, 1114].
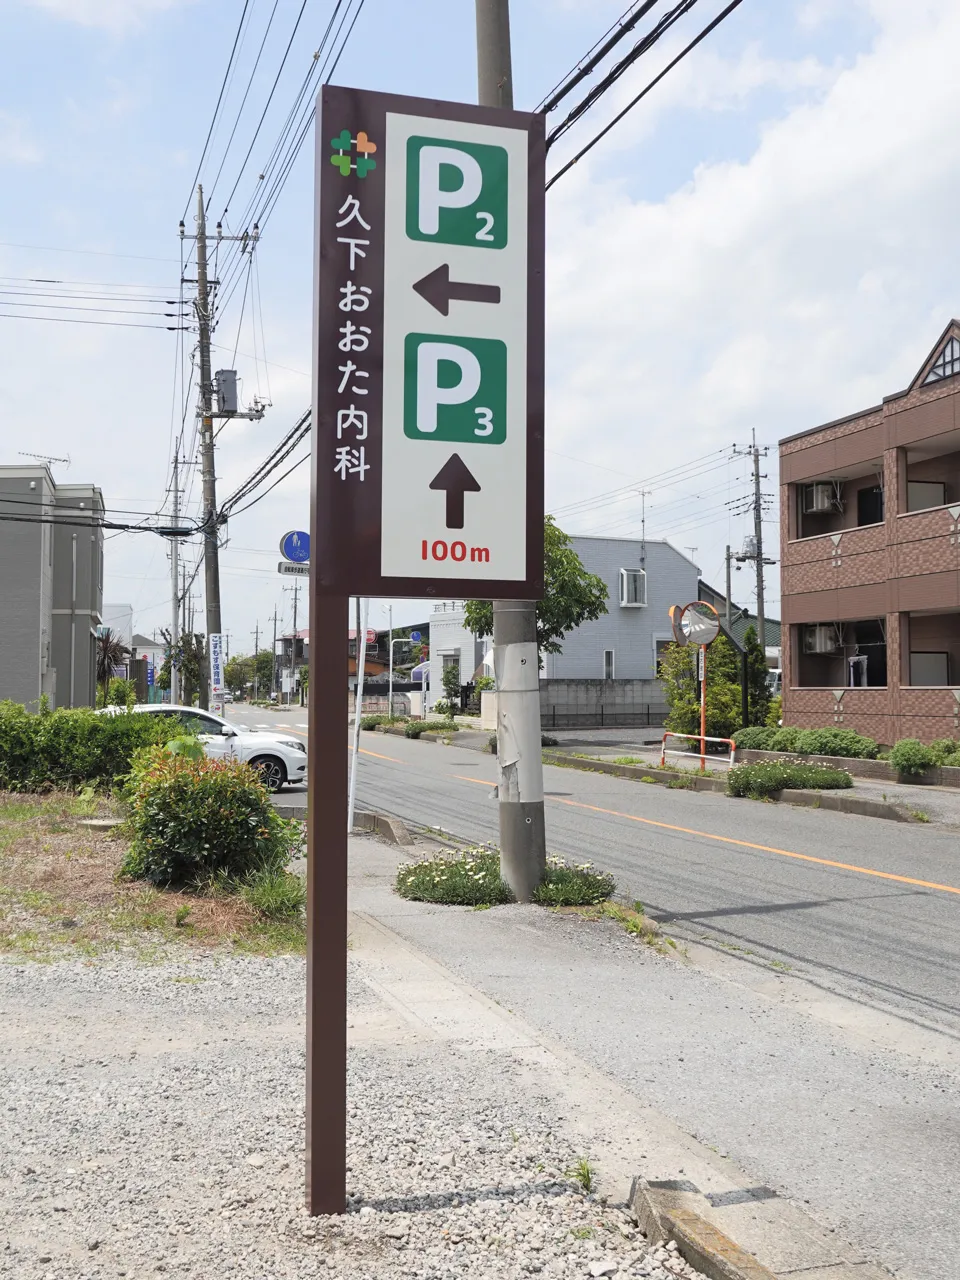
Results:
[42, 457]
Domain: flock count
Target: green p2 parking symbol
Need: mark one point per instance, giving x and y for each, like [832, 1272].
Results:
[455, 389]
[457, 192]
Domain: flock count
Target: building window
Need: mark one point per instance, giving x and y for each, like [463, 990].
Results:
[661, 648]
[633, 588]
[608, 664]
[947, 363]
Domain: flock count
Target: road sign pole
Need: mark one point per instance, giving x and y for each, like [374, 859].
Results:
[361, 651]
[516, 658]
[326, 1110]
[703, 708]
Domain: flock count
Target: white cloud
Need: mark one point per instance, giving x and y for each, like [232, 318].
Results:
[116, 16]
[800, 285]
[16, 146]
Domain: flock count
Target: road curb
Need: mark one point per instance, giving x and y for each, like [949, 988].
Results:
[382, 824]
[835, 801]
[698, 1241]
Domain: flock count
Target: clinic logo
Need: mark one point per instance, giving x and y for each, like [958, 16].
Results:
[344, 158]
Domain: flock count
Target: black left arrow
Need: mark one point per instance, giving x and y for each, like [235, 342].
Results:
[437, 288]
[455, 477]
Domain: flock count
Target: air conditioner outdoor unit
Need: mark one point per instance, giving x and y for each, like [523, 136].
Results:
[821, 638]
[819, 498]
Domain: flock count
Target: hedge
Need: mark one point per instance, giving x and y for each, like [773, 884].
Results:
[71, 748]
[808, 742]
[761, 780]
[197, 821]
[414, 728]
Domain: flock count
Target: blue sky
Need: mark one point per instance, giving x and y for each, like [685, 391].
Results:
[763, 244]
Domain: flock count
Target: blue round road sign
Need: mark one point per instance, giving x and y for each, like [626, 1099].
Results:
[295, 546]
[414, 636]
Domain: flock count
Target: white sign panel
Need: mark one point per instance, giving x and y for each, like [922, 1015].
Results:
[216, 663]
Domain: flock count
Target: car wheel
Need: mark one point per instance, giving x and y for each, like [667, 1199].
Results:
[272, 772]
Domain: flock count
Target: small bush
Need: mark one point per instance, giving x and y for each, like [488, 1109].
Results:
[754, 738]
[835, 742]
[547, 741]
[761, 780]
[910, 756]
[371, 722]
[775, 712]
[573, 886]
[196, 821]
[443, 707]
[944, 749]
[275, 894]
[121, 692]
[492, 744]
[414, 728]
[469, 879]
[784, 740]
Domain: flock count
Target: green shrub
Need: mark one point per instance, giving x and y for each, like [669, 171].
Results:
[944, 749]
[484, 684]
[275, 894]
[573, 886]
[761, 780]
[784, 740]
[68, 748]
[547, 741]
[836, 742]
[775, 712]
[492, 744]
[371, 722]
[121, 692]
[471, 878]
[443, 707]
[754, 738]
[414, 728]
[194, 821]
[910, 756]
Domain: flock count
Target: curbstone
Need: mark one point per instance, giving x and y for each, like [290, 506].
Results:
[390, 829]
[695, 781]
[698, 1241]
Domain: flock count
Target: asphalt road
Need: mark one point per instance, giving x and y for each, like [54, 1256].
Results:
[749, 879]
[816, 1035]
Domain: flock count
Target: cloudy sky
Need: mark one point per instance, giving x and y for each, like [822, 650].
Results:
[765, 243]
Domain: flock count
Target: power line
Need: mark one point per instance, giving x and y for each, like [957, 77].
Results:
[213, 120]
[621, 28]
[643, 93]
[116, 324]
[306, 458]
[97, 253]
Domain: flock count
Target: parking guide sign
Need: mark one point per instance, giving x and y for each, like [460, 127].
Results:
[428, 440]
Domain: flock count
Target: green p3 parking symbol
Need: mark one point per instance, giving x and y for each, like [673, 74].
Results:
[454, 389]
[456, 192]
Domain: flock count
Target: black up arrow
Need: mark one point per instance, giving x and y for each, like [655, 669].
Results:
[456, 479]
[437, 288]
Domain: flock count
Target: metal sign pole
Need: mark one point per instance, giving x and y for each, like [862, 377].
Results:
[358, 712]
[703, 708]
[326, 1170]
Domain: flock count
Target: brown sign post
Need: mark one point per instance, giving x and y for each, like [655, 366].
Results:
[427, 475]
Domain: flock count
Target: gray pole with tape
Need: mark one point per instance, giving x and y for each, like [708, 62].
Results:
[516, 658]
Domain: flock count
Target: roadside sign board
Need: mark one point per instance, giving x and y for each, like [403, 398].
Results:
[302, 570]
[295, 546]
[428, 362]
[216, 663]
[415, 637]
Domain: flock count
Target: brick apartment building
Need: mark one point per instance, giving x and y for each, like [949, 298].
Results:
[870, 536]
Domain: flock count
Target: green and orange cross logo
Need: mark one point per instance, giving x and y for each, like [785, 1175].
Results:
[343, 147]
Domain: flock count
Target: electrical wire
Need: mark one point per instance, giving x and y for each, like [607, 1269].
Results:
[115, 324]
[621, 28]
[213, 121]
[306, 458]
[725, 13]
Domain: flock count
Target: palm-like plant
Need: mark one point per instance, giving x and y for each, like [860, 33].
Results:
[111, 653]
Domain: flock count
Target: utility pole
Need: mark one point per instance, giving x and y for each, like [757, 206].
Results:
[175, 583]
[256, 650]
[729, 606]
[211, 517]
[293, 648]
[755, 452]
[273, 655]
[523, 852]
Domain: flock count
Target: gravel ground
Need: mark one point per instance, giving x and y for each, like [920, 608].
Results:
[151, 1121]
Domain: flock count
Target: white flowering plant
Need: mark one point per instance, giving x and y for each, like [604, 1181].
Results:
[471, 878]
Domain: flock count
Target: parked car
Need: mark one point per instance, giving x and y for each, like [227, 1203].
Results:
[280, 759]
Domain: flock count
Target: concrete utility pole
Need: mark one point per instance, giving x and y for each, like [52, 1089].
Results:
[256, 650]
[729, 606]
[755, 452]
[211, 537]
[273, 655]
[516, 658]
[293, 647]
[175, 584]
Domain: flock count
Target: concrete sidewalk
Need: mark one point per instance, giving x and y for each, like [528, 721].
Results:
[578, 1007]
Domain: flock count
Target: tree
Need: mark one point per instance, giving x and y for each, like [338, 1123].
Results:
[263, 667]
[678, 672]
[758, 691]
[189, 656]
[571, 594]
[450, 679]
[111, 653]
[238, 673]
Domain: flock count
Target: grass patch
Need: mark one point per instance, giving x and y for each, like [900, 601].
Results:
[919, 815]
[582, 1172]
[471, 878]
[61, 893]
[633, 920]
